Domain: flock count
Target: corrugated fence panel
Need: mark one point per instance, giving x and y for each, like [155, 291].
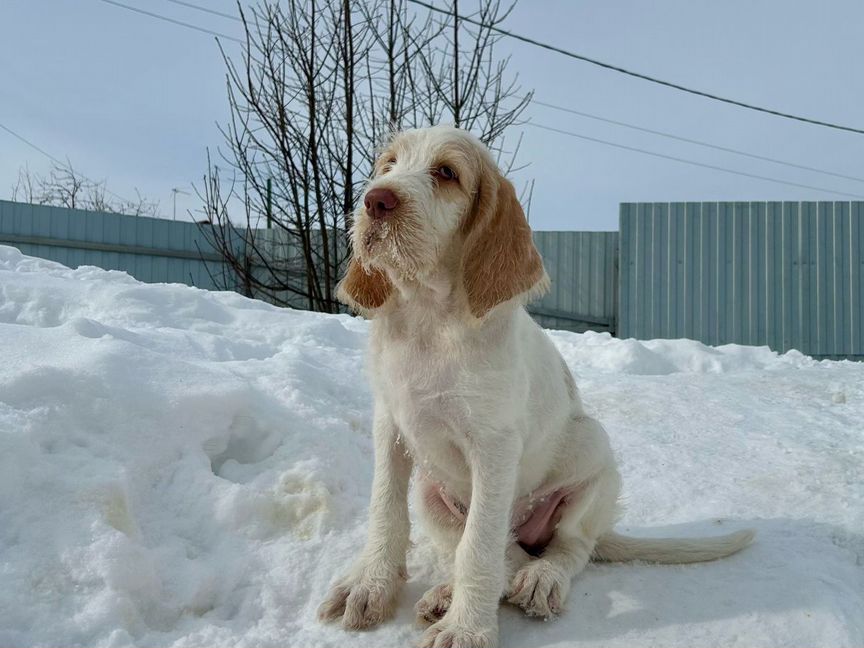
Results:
[583, 270]
[149, 249]
[582, 265]
[787, 275]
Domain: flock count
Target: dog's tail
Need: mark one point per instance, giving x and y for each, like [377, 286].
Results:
[613, 547]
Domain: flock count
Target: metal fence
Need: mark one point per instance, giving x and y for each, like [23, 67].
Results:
[149, 249]
[789, 275]
[581, 264]
[583, 267]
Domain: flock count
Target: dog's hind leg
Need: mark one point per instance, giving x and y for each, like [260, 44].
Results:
[444, 526]
[445, 529]
[541, 586]
[433, 605]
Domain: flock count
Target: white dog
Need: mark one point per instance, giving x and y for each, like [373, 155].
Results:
[513, 479]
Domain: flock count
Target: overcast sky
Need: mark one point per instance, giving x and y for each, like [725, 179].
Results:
[135, 100]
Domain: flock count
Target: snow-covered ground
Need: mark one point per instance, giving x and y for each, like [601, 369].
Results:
[187, 468]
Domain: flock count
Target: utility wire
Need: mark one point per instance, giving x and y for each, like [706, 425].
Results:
[205, 10]
[696, 142]
[60, 162]
[692, 162]
[553, 106]
[524, 39]
[637, 75]
[171, 20]
[30, 144]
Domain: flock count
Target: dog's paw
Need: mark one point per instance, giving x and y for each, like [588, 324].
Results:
[452, 634]
[540, 589]
[434, 604]
[364, 598]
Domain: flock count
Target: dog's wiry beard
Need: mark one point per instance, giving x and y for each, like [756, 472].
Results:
[398, 244]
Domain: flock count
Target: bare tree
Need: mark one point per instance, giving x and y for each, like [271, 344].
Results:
[95, 197]
[318, 86]
[467, 83]
[64, 186]
[28, 187]
[139, 206]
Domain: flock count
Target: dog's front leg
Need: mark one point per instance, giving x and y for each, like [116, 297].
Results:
[367, 594]
[479, 574]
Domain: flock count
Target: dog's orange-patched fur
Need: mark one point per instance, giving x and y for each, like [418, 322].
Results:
[364, 289]
[499, 259]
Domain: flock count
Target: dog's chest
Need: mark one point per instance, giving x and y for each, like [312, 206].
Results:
[424, 386]
[427, 390]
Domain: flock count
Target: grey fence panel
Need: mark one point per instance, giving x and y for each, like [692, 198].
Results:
[582, 265]
[788, 275]
[150, 249]
[583, 270]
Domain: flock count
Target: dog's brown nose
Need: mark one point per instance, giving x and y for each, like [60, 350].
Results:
[380, 202]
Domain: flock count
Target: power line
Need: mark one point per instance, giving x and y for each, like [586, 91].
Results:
[172, 20]
[57, 161]
[525, 39]
[191, 5]
[692, 162]
[638, 75]
[577, 135]
[30, 144]
[696, 142]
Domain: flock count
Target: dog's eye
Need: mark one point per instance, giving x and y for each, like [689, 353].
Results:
[445, 173]
[388, 165]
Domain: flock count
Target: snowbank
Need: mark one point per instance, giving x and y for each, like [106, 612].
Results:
[188, 468]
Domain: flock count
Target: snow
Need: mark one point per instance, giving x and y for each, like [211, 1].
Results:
[189, 468]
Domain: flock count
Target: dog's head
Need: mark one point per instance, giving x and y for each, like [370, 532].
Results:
[436, 200]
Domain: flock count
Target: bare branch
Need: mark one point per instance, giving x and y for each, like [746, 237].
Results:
[318, 87]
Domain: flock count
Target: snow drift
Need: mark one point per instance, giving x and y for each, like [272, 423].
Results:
[189, 468]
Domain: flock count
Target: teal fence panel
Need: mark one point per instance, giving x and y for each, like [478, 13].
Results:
[789, 275]
[150, 249]
[581, 264]
[786, 275]
[583, 270]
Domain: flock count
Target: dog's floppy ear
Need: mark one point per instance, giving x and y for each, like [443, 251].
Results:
[363, 289]
[499, 260]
